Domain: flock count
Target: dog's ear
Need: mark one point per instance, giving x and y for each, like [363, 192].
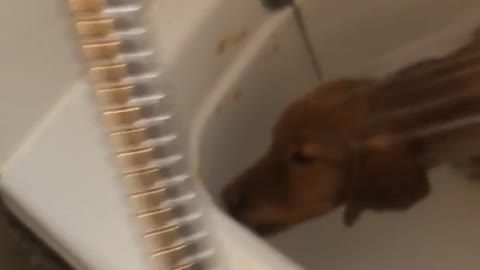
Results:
[386, 176]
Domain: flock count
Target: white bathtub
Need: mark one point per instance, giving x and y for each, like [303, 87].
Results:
[234, 124]
[225, 87]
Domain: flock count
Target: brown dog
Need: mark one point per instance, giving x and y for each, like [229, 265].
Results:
[365, 144]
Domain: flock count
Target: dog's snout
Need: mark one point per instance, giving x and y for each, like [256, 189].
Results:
[236, 203]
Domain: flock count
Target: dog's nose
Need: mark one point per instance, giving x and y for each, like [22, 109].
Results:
[235, 203]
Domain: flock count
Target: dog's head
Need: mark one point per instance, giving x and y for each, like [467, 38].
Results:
[312, 166]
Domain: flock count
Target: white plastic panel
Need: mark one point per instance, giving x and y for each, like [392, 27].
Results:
[64, 182]
[348, 34]
[37, 66]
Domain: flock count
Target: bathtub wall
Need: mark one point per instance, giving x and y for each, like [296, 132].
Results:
[349, 35]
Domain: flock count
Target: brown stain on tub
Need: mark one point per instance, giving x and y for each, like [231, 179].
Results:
[275, 48]
[234, 96]
[231, 40]
[237, 95]
[272, 49]
[219, 108]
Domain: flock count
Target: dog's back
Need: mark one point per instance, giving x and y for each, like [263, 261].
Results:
[435, 101]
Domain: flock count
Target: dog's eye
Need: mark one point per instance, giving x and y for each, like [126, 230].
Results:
[301, 158]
